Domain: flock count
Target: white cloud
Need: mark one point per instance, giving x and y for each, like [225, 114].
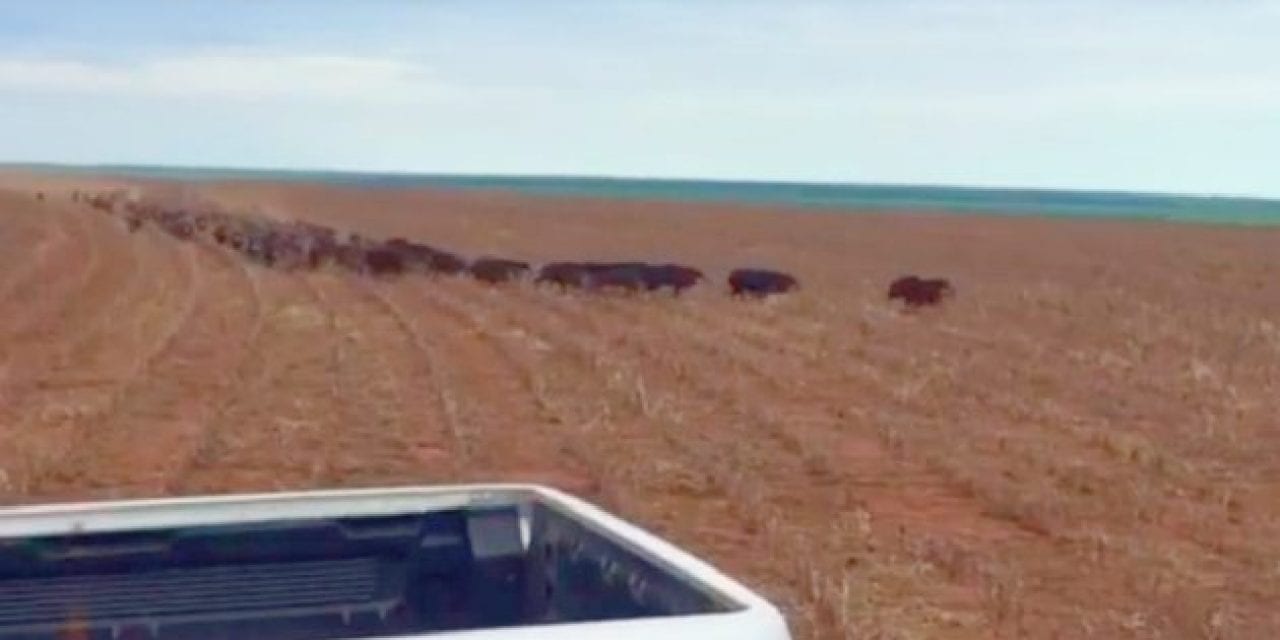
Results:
[55, 75]
[1181, 95]
[234, 76]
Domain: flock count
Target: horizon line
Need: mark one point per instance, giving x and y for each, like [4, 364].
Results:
[797, 182]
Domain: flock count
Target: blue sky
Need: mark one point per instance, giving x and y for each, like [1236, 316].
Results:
[1163, 96]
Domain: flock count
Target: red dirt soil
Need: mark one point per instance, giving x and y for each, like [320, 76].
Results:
[1083, 442]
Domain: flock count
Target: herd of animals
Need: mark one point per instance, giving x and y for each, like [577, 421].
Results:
[302, 245]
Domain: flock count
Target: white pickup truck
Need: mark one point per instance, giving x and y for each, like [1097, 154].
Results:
[500, 562]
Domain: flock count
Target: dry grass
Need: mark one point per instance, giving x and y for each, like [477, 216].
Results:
[1081, 444]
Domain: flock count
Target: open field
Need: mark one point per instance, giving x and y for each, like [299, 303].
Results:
[1085, 441]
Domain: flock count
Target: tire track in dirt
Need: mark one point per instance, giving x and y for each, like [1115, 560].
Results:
[25, 235]
[161, 309]
[513, 433]
[809, 413]
[594, 418]
[1062, 426]
[157, 414]
[573, 394]
[30, 237]
[50, 284]
[1084, 461]
[338, 394]
[680, 479]
[399, 425]
[392, 419]
[1083, 408]
[815, 395]
[171, 306]
[238, 384]
[343, 397]
[121, 302]
[269, 431]
[570, 374]
[765, 343]
[799, 460]
[301, 419]
[42, 426]
[54, 360]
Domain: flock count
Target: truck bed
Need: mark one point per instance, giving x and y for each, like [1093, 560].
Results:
[314, 568]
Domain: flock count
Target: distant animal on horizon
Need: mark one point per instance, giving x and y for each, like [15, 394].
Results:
[497, 270]
[566, 275]
[350, 257]
[629, 277]
[383, 262]
[678, 277]
[915, 291]
[426, 258]
[760, 283]
[601, 267]
[321, 245]
[446, 262]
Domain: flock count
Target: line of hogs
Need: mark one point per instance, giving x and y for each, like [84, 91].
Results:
[302, 245]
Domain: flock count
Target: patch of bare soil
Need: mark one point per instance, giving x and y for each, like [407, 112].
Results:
[1082, 442]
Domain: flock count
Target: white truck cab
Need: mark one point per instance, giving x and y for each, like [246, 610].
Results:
[500, 562]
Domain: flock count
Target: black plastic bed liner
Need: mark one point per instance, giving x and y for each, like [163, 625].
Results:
[336, 578]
